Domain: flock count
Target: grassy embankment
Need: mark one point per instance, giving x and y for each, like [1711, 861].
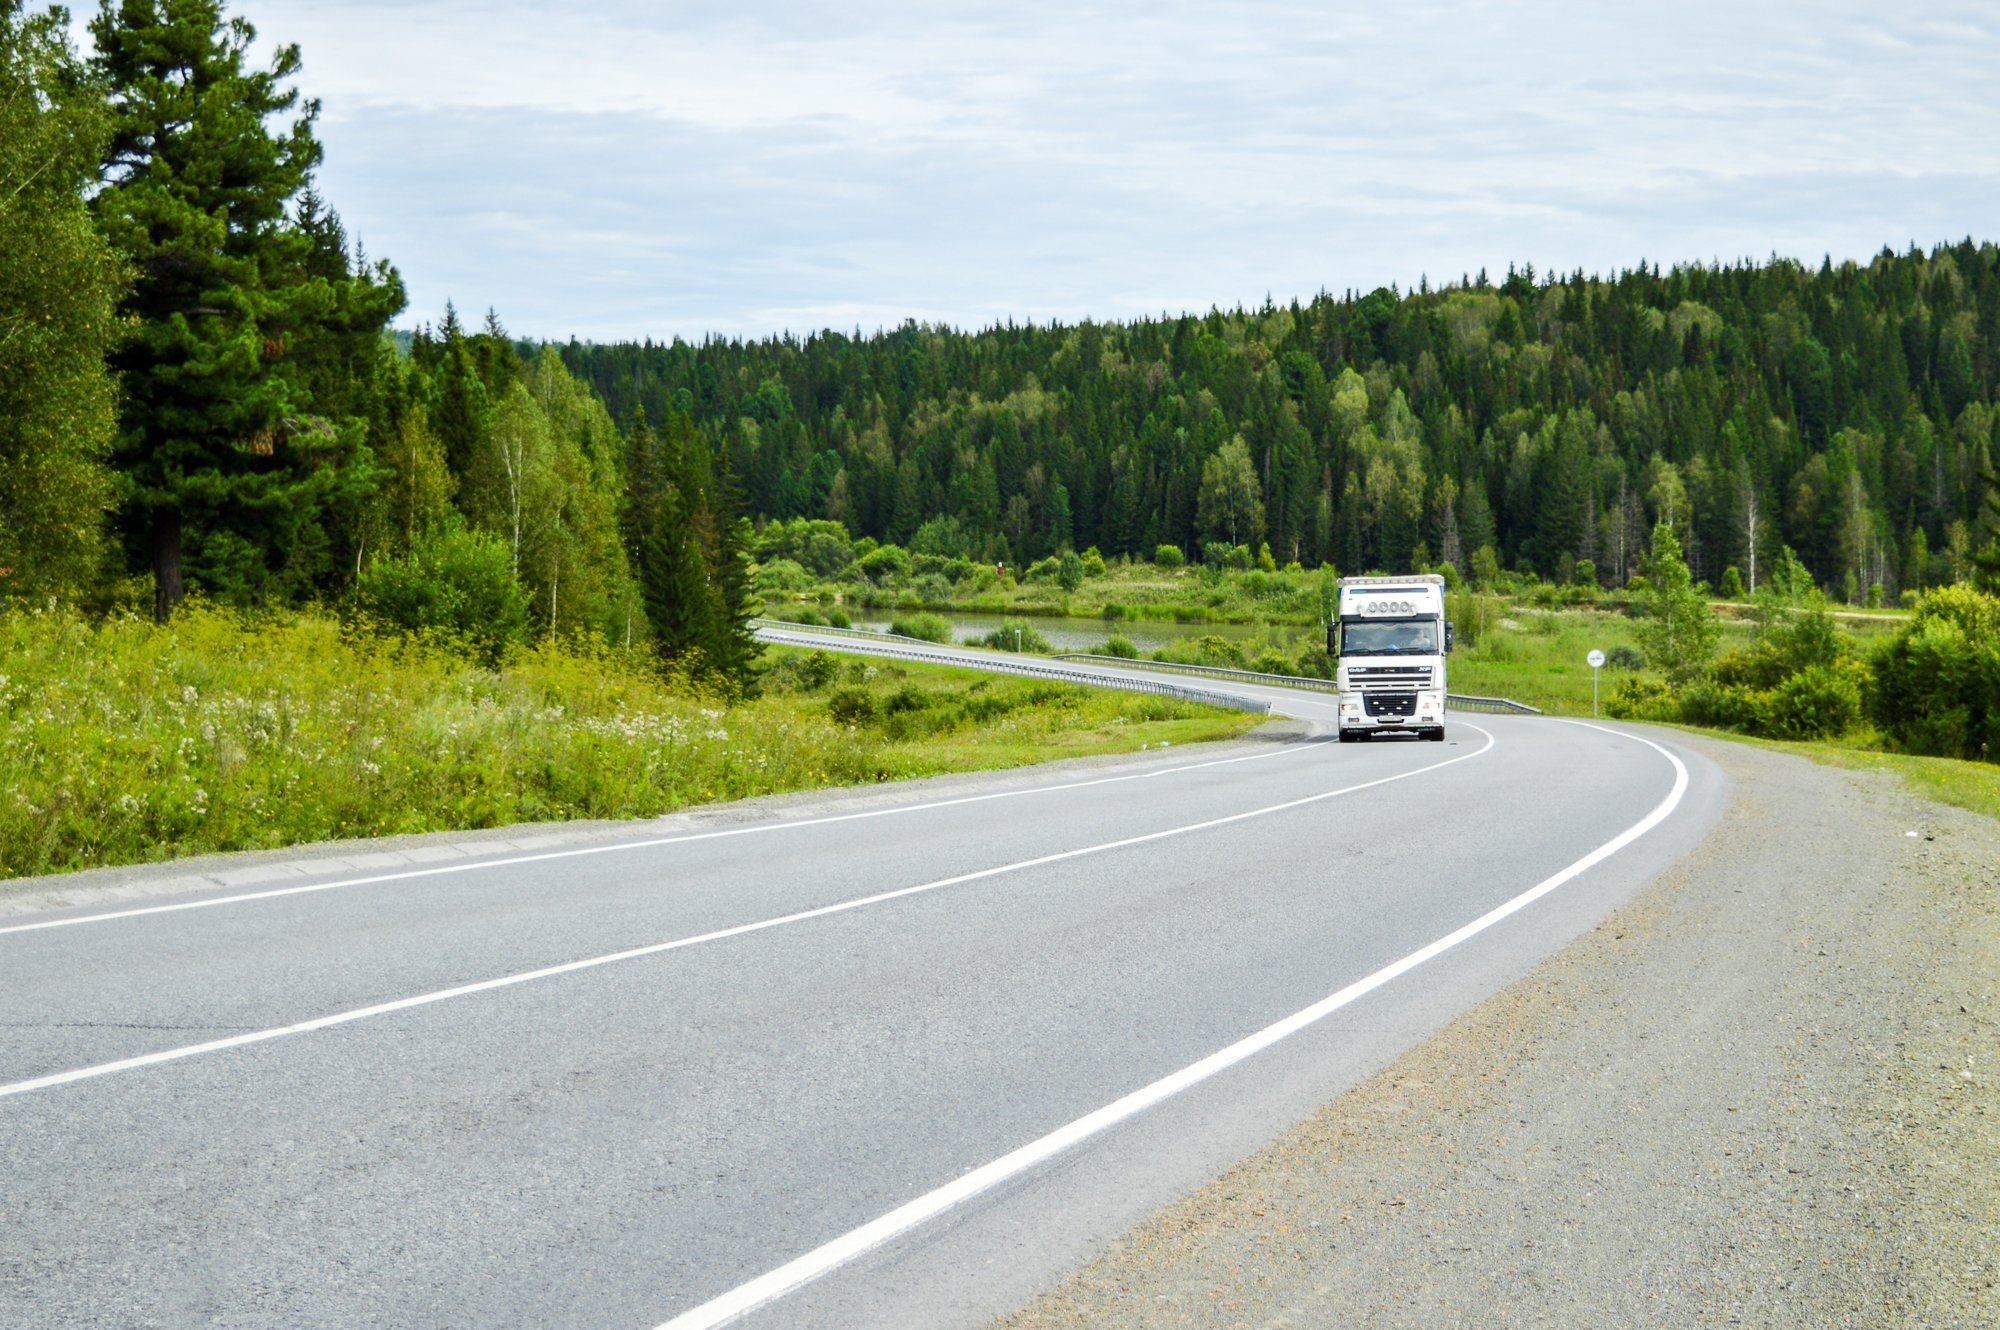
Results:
[1537, 656]
[122, 742]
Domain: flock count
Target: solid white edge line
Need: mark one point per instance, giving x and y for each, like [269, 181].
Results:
[768, 1287]
[55, 1079]
[648, 844]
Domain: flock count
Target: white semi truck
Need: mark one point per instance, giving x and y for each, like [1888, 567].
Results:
[1390, 639]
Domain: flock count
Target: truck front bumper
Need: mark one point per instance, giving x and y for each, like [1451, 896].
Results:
[1398, 710]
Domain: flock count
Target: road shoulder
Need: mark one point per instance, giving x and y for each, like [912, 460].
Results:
[1762, 1092]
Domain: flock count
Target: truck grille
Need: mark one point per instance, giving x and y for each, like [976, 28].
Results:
[1368, 678]
[1389, 704]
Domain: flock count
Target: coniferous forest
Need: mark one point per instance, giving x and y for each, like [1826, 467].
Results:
[1845, 411]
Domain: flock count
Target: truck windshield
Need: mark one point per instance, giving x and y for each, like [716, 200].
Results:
[1378, 637]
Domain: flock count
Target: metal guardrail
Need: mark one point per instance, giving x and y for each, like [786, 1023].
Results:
[869, 633]
[1456, 701]
[1453, 701]
[1496, 705]
[799, 634]
[1212, 671]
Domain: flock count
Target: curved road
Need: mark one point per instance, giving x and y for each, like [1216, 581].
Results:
[900, 1063]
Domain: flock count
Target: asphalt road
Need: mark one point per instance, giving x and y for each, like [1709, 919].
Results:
[618, 1084]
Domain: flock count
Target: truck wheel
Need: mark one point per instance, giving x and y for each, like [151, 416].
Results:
[1348, 736]
[1436, 735]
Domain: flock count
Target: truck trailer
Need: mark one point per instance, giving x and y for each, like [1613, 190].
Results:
[1390, 638]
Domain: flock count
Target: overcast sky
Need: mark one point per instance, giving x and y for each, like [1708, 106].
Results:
[621, 169]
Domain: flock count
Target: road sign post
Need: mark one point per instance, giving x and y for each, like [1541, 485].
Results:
[1596, 659]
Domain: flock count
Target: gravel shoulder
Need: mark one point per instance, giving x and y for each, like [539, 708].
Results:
[1762, 1093]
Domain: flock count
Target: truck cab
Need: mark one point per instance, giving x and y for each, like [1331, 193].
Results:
[1390, 639]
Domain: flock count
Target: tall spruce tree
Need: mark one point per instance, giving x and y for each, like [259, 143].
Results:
[1986, 562]
[226, 462]
[692, 549]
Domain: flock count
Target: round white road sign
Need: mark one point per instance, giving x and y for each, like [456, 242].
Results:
[1596, 659]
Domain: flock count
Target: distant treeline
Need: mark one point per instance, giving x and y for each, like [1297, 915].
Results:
[1846, 412]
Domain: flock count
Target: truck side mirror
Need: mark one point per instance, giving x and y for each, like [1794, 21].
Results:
[1447, 637]
[1332, 640]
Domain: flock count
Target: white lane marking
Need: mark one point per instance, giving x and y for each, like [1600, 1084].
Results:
[657, 948]
[787, 1277]
[654, 843]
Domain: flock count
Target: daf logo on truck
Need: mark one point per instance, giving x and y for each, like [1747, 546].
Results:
[1391, 639]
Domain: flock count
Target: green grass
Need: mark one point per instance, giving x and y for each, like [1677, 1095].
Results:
[1540, 657]
[123, 742]
[1974, 786]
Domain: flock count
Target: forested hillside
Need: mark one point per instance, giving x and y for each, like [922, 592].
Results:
[1846, 412]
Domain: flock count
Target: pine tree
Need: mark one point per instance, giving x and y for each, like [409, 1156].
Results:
[225, 459]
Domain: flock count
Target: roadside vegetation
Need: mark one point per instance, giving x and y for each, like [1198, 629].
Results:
[122, 741]
[445, 577]
[1783, 662]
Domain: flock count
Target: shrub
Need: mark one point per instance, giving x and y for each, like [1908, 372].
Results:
[1168, 556]
[1622, 657]
[821, 547]
[927, 627]
[1732, 583]
[851, 706]
[885, 562]
[782, 575]
[1013, 635]
[1093, 562]
[1119, 646]
[1819, 702]
[456, 582]
[1937, 681]
[933, 589]
[1271, 661]
[1637, 698]
[1314, 662]
[1208, 649]
[791, 673]
[1069, 570]
[1717, 705]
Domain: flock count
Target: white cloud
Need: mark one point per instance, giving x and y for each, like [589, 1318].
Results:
[632, 169]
